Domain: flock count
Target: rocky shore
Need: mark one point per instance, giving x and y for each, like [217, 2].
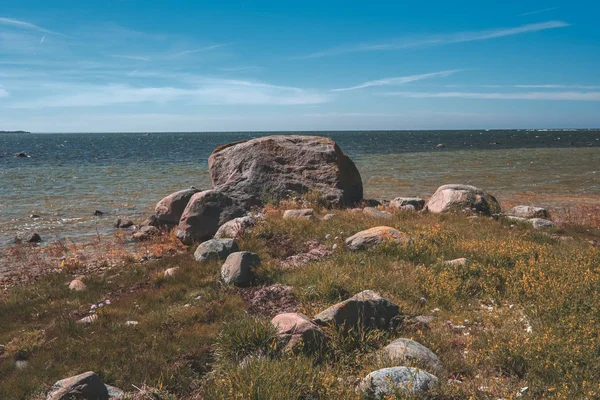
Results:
[257, 223]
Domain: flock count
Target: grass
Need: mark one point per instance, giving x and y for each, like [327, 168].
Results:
[529, 303]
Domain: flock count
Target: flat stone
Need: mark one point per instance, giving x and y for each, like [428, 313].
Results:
[238, 268]
[327, 217]
[403, 351]
[400, 202]
[388, 381]
[306, 213]
[528, 212]
[540, 223]
[458, 261]
[375, 213]
[215, 249]
[376, 236]
[367, 308]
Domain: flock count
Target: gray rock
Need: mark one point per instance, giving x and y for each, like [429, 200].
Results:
[452, 198]
[396, 380]
[273, 167]
[114, 392]
[399, 202]
[376, 236]
[327, 217]
[171, 272]
[86, 386]
[306, 213]
[403, 351]
[215, 249]
[366, 308]
[168, 211]
[236, 227]
[516, 219]
[22, 154]
[238, 268]
[298, 332]
[27, 237]
[145, 233]
[204, 214]
[373, 212]
[529, 212]
[123, 223]
[540, 223]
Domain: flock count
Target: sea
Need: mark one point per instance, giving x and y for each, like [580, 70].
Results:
[69, 176]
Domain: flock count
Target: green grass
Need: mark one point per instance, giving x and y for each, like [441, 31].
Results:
[196, 339]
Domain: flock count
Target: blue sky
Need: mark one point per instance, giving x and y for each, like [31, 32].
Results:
[148, 65]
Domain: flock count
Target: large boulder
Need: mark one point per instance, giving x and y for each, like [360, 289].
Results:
[298, 332]
[388, 382]
[215, 249]
[236, 227]
[452, 198]
[169, 209]
[375, 236]
[273, 167]
[528, 212]
[238, 268]
[86, 386]
[366, 308]
[204, 214]
[403, 351]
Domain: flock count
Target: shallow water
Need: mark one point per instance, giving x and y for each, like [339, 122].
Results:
[69, 176]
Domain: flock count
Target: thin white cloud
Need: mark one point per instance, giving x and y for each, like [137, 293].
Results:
[25, 25]
[400, 80]
[558, 96]
[440, 40]
[249, 68]
[126, 57]
[538, 11]
[553, 86]
[202, 49]
[42, 39]
[205, 92]
[3, 92]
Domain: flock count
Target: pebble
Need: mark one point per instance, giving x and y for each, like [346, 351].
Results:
[131, 323]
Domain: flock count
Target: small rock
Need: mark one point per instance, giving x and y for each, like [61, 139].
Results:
[373, 212]
[307, 213]
[215, 249]
[376, 236]
[402, 351]
[131, 323]
[458, 261]
[123, 223]
[440, 146]
[371, 203]
[86, 386]
[529, 212]
[171, 272]
[355, 210]
[77, 285]
[99, 213]
[34, 216]
[27, 237]
[417, 203]
[21, 364]
[452, 198]
[236, 227]
[145, 233]
[327, 217]
[151, 221]
[22, 154]
[88, 320]
[298, 331]
[540, 223]
[388, 381]
[366, 308]
[238, 268]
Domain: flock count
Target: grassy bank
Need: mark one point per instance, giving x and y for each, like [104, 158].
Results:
[523, 312]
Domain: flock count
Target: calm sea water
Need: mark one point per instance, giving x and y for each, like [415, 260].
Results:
[69, 176]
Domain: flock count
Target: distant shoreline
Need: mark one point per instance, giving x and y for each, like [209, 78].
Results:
[14, 132]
